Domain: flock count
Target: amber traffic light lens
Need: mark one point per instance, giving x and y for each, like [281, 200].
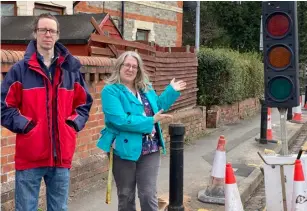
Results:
[278, 25]
[279, 57]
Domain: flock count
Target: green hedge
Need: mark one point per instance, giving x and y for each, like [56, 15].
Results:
[226, 76]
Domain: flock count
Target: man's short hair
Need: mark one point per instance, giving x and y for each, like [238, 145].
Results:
[45, 15]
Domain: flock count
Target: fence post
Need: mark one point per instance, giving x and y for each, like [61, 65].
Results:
[188, 48]
[176, 132]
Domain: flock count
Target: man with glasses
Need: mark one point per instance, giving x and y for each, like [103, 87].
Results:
[45, 101]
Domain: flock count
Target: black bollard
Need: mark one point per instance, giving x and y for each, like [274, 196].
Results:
[289, 114]
[263, 123]
[176, 132]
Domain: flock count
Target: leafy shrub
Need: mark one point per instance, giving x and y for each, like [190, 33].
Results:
[226, 76]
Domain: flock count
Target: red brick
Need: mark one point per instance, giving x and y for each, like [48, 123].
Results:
[97, 96]
[7, 150]
[95, 137]
[91, 146]
[84, 132]
[94, 110]
[11, 158]
[7, 168]
[99, 88]
[3, 178]
[3, 142]
[4, 160]
[83, 154]
[92, 124]
[97, 130]
[11, 140]
[82, 148]
[101, 122]
[83, 140]
[5, 132]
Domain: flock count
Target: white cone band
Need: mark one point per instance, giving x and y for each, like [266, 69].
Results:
[219, 163]
[299, 198]
[232, 198]
[269, 122]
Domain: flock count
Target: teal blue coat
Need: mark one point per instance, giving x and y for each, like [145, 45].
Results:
[125, 122]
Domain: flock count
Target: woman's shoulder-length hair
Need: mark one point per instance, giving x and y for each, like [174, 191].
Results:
[142, 79]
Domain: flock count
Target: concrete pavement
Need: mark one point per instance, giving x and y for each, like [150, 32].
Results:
[241, 151]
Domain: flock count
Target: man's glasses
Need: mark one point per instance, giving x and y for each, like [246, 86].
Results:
[44, 31]
[128, 66]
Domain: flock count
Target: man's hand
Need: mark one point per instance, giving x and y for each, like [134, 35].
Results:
[179, 85]
[159, 116]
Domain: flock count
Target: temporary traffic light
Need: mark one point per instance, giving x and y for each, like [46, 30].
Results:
[280, 48]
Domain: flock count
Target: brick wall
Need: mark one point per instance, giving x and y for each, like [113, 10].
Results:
[226, 114]
[162, 19]
[89, 163]
[193, 118]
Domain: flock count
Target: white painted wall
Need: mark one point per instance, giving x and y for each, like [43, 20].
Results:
[25, 8]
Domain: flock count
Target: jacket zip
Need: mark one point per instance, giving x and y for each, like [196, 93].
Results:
[48, 120]
[56, 111]
[52, 138]
[53, 112]
[53, 141]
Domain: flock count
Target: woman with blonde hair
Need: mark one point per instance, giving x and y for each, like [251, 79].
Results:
[132, 112]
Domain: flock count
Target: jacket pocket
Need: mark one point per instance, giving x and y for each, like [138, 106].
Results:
[106, 139]
[32, 146]
[67, 141]
[128, 145]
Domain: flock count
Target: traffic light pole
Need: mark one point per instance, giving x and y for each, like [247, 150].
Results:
[283, 131]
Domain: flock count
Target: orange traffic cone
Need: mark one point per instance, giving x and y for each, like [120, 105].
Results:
[304, 102]
[214, 193]
[269, 133]
[299, 202]
[232, 195]
[297, 116]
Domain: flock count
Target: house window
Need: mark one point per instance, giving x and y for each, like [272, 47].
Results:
[8, 8]
[43, 8]
[142, 34]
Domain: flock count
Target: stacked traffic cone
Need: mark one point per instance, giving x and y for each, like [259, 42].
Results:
[232, 195]
[299, 202]
[214, 193]
[269, 133]
[297, 116]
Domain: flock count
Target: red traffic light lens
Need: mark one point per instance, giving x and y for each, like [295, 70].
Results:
[279, 57]
[278, 25]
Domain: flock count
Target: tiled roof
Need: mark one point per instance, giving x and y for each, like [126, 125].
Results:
[18, 29]
[9, 56]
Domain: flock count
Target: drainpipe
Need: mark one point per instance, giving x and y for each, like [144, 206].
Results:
[123, 13]
[197, 26]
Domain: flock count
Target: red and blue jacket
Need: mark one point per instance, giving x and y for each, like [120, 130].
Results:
[27, 95]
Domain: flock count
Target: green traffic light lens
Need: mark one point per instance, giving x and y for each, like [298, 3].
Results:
[280, 88]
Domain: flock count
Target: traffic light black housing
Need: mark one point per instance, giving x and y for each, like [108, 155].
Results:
[280, 48]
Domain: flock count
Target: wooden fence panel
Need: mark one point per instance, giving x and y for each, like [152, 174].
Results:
[161, 63]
